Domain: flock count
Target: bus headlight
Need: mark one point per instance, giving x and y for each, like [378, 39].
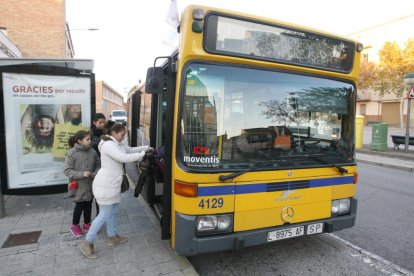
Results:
[211, 224]
[341, 207]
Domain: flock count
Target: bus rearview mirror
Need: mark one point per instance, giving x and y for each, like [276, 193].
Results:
[155, 82]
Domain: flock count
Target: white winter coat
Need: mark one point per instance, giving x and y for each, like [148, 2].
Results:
[107, 183]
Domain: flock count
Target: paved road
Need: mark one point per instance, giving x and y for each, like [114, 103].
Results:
[312, 255]
[385, 224]
[385, 220]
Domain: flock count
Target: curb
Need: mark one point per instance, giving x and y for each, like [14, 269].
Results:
[401, 168]
[391, 154]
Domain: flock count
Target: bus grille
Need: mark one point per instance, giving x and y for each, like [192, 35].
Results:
[283, 186]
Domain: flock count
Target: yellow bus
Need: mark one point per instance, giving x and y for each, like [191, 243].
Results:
[254, 121]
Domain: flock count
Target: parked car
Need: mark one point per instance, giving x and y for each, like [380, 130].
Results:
[119, 116]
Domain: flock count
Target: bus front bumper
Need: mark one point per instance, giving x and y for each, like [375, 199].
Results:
[188, 244]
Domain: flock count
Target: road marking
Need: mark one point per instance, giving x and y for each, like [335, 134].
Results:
[374, 256]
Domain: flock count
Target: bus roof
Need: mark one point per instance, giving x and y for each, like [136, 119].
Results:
[262, 19]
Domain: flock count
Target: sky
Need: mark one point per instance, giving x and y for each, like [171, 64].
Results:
[132, 33]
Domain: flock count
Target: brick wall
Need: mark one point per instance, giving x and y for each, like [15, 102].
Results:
[37, 27]
[104, 104]
[99, 98]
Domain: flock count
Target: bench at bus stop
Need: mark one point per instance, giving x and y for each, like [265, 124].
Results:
[400, 140]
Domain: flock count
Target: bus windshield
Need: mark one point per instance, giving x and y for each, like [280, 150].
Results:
[236, 118]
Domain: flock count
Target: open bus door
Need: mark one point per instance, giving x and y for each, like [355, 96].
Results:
[161, 84]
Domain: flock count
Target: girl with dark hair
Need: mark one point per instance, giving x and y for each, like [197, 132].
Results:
[81, 165]
[107, 186]
[98, 129]
[107, 126]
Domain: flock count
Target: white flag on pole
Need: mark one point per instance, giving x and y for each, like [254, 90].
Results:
[172, 15]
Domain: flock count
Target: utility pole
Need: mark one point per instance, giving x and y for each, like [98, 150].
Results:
[409, 80]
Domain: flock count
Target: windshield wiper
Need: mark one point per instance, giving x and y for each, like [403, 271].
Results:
[255, 167]
[320, 159]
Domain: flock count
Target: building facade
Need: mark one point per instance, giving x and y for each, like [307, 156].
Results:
[388, 108]
[107, 99]
[37, 27]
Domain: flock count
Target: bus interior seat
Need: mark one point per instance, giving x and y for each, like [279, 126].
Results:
[257, 135]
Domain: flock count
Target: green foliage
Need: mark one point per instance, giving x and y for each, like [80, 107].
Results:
[409, 55]
[387, 76]
[367, 72]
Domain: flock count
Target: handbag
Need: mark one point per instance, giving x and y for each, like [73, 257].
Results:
[72, 188]
[125, 182]
[145, 168]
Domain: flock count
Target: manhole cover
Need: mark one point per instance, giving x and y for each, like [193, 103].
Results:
[21, 239]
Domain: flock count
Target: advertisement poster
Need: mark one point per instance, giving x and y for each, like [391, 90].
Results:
[41, 113]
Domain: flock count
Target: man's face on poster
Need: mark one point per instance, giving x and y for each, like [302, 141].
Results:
[75, 111]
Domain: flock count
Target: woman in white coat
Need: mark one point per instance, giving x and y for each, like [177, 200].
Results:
[107, 186]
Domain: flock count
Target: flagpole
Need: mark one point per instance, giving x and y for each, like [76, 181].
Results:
[173, 18]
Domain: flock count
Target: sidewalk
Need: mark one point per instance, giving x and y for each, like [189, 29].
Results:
[56, 253]
[390, 161]
[397, 159]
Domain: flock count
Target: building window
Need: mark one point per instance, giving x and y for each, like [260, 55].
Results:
[363, 109]
[104, 105]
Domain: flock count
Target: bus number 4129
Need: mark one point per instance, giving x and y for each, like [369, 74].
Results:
[212, 203]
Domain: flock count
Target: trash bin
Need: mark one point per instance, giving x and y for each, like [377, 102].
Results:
[359, 131]
[379, 137]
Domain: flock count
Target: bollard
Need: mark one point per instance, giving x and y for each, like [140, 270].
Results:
[359, 131]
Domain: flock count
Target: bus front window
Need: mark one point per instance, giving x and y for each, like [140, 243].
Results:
[233, 118]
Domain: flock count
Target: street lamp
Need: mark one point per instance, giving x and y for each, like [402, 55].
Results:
[409, 81]
[69, 37]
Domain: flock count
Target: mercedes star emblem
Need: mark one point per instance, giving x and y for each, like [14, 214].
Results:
[287, 214]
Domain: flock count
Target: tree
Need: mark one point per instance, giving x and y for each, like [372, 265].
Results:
[367, 73]
[409, 56]
[388, 76]
[390, 72]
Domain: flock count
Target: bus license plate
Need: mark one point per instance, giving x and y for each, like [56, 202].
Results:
[285, 233]
[314, 228]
